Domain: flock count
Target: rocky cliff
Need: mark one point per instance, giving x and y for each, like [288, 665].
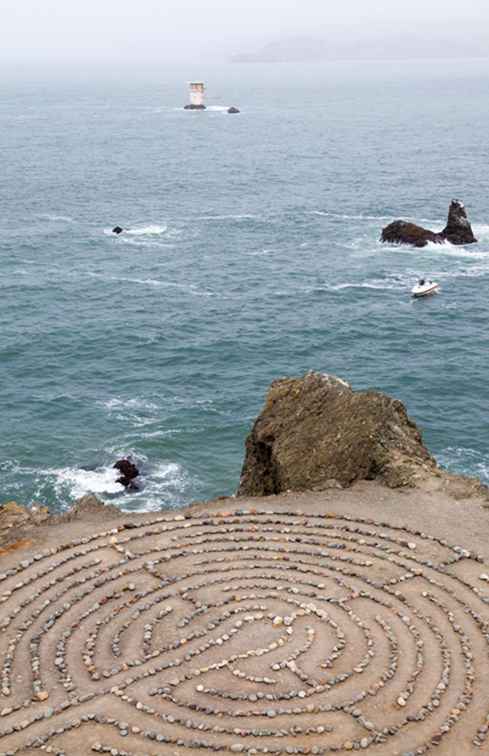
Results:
[315, 431]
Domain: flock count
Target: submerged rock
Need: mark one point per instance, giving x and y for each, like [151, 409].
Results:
[117, 230]
[129, 472]
[232, 109]
[316, 431]
[457, 231]
[194, 107]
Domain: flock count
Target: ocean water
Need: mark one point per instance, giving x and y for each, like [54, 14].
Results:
[251, 253]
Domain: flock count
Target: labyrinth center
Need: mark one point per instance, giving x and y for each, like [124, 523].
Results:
[247, 631]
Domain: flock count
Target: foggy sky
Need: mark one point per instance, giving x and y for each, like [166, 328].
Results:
[88, 33]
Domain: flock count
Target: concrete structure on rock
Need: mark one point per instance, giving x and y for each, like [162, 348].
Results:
[197, 90]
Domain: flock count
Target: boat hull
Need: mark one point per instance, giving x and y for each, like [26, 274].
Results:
[425, 292]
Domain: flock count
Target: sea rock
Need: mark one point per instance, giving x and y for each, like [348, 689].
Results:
[129, 472]
[316, 429]
[117, 230]
[232, 109]
[457, 231]
[190, 106]
[402, 232]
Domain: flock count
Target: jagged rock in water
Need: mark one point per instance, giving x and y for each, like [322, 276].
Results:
[194, 107]
[402, 232]
[457, 231]
[129, 472]
[232, 109]
[117, 230]
[315, 431]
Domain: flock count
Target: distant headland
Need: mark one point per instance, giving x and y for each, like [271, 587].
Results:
[347, 44]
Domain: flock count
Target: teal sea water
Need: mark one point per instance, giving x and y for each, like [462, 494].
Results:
[251, 253]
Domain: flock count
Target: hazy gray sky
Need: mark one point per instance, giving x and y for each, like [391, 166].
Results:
[84, 32]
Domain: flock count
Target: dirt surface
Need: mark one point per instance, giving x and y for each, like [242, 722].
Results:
[297, 624]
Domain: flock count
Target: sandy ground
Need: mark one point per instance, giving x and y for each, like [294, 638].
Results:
[307, 623]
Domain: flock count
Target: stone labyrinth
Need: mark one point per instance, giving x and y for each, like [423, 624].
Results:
[256, 632]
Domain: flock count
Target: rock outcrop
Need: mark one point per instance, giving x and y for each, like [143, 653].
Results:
[191, 106]
[457, 231]
[86, 508]
[315, 432]
[16, 520]
[128, 471]
[233, 109]
[14, 515]
[117, 230]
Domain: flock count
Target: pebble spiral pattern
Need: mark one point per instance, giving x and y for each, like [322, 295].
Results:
[255, 632]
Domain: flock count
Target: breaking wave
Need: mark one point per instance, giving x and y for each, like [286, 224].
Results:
[76, 482]
[189, 288]
[465, 461]
[150, 230]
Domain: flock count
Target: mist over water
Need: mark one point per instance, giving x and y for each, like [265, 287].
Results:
[251, 252]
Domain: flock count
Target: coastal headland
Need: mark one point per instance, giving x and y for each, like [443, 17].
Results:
[345, 608]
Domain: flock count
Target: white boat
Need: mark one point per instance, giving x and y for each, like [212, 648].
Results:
[425, 288]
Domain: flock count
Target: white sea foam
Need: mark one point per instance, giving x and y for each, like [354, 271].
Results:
[466, 461]
[59, 218]
[344, 216]
[165, 485]
[80, 482]
[475, 271]
[365, 217]
[151, 230]
[116, 403]
[189, 288]
[261, 252]
[362, 285]
[452, 250]
[160, 433]
[396, 283]
[237, 216]
[480, 229]
[136, 412]
[146, 241]
[432, 250]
